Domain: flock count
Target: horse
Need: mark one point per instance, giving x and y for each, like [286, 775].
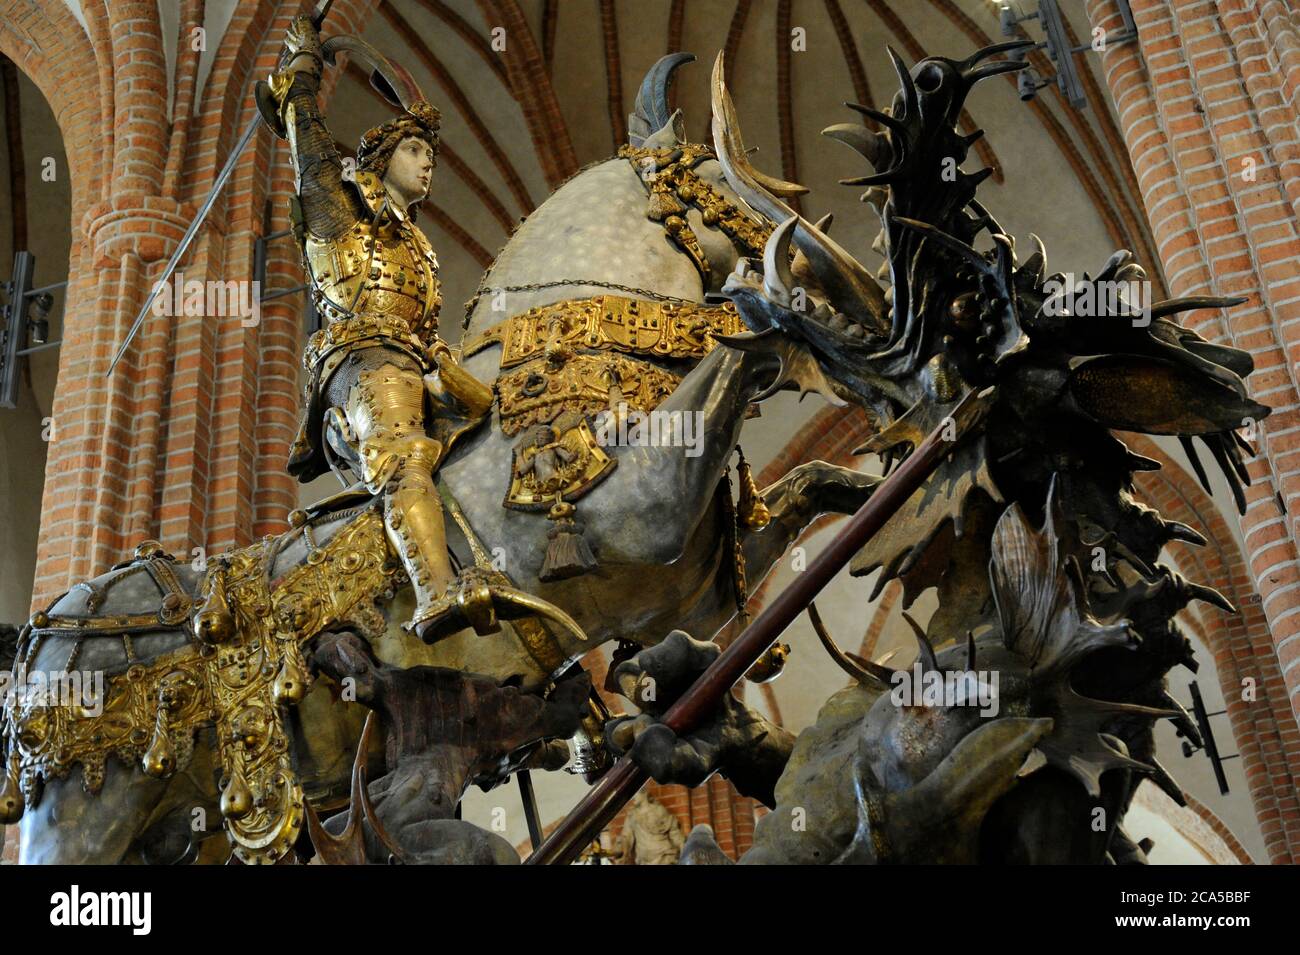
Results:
[667, 546]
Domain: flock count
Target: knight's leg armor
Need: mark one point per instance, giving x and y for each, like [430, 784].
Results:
[385, 410]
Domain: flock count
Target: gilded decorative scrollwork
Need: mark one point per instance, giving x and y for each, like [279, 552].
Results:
[48, 740]
[672, 330]
[564, 362]
[539, 391]
[238, 681]
[669, 174]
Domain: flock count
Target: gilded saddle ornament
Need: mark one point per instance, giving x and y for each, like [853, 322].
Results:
[242, 667]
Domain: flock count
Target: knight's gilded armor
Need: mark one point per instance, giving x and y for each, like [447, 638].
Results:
[385, 393]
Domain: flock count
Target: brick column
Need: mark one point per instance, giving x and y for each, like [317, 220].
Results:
[1206, 104]
[187, 441]
[50, 47]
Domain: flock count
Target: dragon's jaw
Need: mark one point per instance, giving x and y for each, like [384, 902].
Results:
[839, 346]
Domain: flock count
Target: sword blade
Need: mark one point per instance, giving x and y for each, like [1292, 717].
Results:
[183, 246]
[318, 19]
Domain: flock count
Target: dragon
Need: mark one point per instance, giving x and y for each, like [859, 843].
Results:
[1055, 628]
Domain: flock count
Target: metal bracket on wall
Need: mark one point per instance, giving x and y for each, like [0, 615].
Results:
[1056, 42]
[311, 318]
[1210, 746]
[24, 324]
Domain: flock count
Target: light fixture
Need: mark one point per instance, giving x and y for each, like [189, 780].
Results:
[1056, 41]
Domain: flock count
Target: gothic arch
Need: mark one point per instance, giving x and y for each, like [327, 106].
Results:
[50, 46]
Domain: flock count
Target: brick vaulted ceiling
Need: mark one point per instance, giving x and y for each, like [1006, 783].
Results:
[519, 123]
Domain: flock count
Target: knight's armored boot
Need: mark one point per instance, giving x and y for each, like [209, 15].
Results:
[413, 516]
[385, 412]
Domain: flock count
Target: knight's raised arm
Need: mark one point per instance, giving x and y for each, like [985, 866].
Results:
[329, 207]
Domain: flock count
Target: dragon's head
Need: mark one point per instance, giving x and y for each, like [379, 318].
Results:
[954, 309]
[948, 314]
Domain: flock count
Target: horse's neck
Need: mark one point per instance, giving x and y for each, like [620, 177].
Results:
[591, 237]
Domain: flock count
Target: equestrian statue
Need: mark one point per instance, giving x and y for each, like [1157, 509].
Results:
[505, 514]
[490, 529]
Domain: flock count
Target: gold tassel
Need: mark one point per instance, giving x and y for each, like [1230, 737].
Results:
[236, 798]
[769, 666]
[567, 554]
[290, 684]
[159, 760]
[753, 512]
[12, 803]
[213, 621]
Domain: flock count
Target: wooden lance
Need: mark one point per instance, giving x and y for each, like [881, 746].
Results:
[598, 808]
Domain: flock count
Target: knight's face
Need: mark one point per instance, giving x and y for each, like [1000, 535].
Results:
[411, 168]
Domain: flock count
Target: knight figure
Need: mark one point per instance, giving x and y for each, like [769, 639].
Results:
[386, 394]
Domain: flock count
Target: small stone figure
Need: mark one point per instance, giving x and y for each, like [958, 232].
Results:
[651, 834]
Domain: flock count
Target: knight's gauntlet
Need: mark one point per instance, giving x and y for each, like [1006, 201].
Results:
[302, 46]
[302, 55]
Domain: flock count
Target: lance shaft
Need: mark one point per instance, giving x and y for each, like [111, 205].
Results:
[598, 808]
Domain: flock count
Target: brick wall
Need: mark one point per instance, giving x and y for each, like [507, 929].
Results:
[187, 441]
[1207, 104]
